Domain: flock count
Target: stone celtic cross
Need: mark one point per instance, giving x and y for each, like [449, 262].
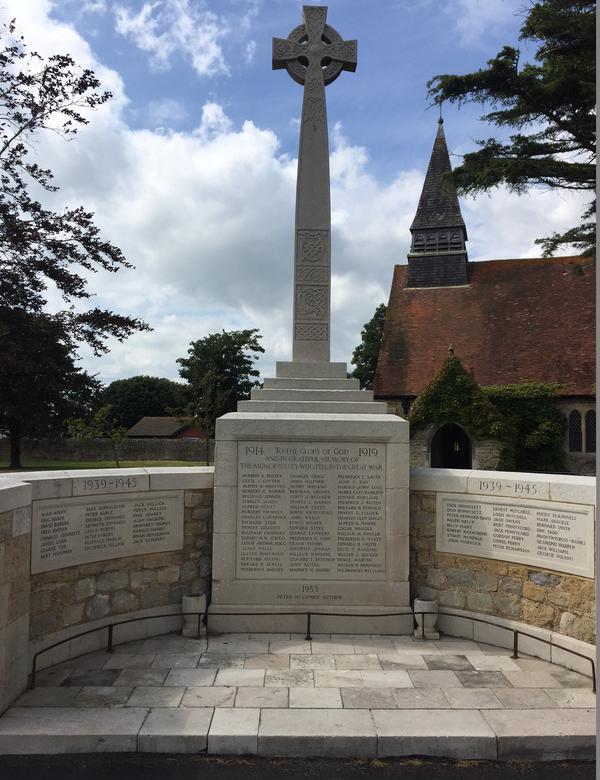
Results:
[314, 55]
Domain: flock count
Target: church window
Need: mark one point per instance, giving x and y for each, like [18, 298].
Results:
[575, 435]
[590, 431]
[455, 242]
[443, 241]
[419, 242]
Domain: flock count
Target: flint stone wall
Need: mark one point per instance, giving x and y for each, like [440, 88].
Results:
[542, 597]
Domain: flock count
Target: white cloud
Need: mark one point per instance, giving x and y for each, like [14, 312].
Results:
[167, 112]
[250, 52]
[475, 19]
[206, 216]
[169, 28]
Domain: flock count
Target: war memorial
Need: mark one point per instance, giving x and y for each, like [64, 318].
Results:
[299, 557]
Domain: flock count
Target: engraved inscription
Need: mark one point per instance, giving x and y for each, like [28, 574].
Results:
[313, 246]
[308, 332]
[71, 531]
[307, 273]
[311, 303]
[311, 510]
[539, 533]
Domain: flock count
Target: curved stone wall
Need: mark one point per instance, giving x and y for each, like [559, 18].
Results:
[66, 596]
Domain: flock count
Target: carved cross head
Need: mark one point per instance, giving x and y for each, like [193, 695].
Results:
[314, 47]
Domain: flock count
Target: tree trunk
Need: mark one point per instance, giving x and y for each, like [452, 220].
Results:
[14, 432]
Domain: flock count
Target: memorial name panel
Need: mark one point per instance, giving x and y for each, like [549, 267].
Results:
[540, 533]
[71, 531]
[311, 510]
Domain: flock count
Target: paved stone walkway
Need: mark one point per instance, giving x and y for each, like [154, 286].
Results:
[279, 695]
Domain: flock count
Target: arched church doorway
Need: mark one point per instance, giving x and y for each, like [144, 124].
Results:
[451, 448]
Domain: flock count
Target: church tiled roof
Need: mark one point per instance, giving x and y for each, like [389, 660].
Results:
[514, 320]
[438, 205]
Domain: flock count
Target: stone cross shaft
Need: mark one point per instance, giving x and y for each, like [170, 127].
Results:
[314, 54]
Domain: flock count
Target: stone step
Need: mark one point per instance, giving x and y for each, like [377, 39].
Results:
[314, 407]
[273, 383]
[285, 369]
[289, 394]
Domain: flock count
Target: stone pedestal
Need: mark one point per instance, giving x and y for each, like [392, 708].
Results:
[311, 508]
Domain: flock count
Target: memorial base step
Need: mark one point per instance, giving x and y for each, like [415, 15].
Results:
[316, 370]
[241, 618]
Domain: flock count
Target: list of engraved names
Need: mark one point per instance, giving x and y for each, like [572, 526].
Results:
[541, 533]
[311, 510]
[70, 531]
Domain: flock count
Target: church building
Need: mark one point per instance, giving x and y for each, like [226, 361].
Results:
[508, 321]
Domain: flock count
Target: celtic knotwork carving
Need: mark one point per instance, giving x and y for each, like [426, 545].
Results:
[316, 332]
[311, 303]
[308, 273]
[313, 247]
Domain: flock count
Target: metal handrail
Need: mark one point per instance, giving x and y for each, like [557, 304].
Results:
[202, 619]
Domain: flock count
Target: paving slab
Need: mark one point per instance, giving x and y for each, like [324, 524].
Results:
[135, 677]
[473, 698]
[292, 678]
[130, 661]
[452, 663]
[191, 677]
[334, 679]
[176, 661]
[552, 735]
[221, 661]
[441, 733]
[433, 679]
[268, 661]
[335, 733]
[315, 698]
[262, 697]
[216, 696]
[484, 679]
[313, 661]
[82, 677]
[168, 730]
[572, 697]
[344, 662]
[156, 696]
[24, 730]
[532, 680]
[235, 731]
[368, 698]
[240, 677]
[48, 697]
[421, 698]
[525, 698]
[103, 696]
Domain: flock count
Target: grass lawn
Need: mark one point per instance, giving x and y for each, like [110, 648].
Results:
[35, 464]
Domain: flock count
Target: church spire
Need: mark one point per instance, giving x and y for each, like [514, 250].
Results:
[438, 257]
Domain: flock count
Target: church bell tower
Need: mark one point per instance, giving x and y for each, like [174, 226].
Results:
[438, 255]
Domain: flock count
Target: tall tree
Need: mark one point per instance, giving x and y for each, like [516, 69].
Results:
[39, 246]
[366, 354]
[141, 396]
[40, 382]
[550, 103]
[220, 371]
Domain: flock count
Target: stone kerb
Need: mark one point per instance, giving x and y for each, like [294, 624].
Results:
[15, 544]
[540, 598]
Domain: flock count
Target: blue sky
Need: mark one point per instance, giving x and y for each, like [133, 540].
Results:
[190, 169]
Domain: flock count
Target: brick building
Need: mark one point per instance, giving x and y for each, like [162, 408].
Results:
[508, 321]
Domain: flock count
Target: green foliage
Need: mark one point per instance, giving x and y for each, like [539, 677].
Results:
[40, 382]
[531, 409]
[220, 372]
[366, 354]
[454, 396]
[143, 396]
[101, 425]
[525, 418]
[550, 103]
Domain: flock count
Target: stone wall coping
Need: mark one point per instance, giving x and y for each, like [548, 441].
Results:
[568, 488]
[59, 484]
[14, 494]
